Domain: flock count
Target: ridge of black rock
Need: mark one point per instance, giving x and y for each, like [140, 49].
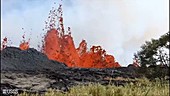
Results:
[31, 71]
[14, 59]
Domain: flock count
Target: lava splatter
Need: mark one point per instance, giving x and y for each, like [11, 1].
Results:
[59, 46]
[24, 44]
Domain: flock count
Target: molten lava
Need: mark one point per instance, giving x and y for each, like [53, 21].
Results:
[24, 45]
[60, 46]
[63, 49]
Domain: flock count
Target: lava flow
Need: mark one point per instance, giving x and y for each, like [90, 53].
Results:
[59, 46]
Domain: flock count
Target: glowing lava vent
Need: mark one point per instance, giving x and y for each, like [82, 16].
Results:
[58, 45]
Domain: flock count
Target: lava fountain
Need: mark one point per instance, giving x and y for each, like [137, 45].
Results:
[59, 45]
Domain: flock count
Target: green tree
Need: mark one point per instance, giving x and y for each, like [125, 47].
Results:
[155, 52]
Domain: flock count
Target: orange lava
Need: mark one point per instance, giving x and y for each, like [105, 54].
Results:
[24, 45]
[59, 46]
[63, 49]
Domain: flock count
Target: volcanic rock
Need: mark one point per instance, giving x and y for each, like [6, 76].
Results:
[31, 71]
[13, 58]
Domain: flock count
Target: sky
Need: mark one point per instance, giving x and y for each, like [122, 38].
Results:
[119, 26]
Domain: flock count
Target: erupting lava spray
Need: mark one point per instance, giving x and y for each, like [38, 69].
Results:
[24, 44]
[59, 45]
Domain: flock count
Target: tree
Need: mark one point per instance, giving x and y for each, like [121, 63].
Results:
[155, 52]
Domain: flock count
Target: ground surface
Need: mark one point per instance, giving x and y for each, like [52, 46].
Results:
[30, 70]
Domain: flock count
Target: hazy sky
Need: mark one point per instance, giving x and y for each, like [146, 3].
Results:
[119, 26]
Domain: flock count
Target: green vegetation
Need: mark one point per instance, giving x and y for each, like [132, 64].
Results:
[155, 52]
[154, 72]
[144, 87]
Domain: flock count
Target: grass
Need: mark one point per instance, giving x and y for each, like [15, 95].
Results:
[143, 88]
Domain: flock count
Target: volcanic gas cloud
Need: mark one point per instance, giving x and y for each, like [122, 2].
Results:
[58, 45]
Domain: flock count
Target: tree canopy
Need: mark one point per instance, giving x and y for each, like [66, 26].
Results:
[155, 52]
